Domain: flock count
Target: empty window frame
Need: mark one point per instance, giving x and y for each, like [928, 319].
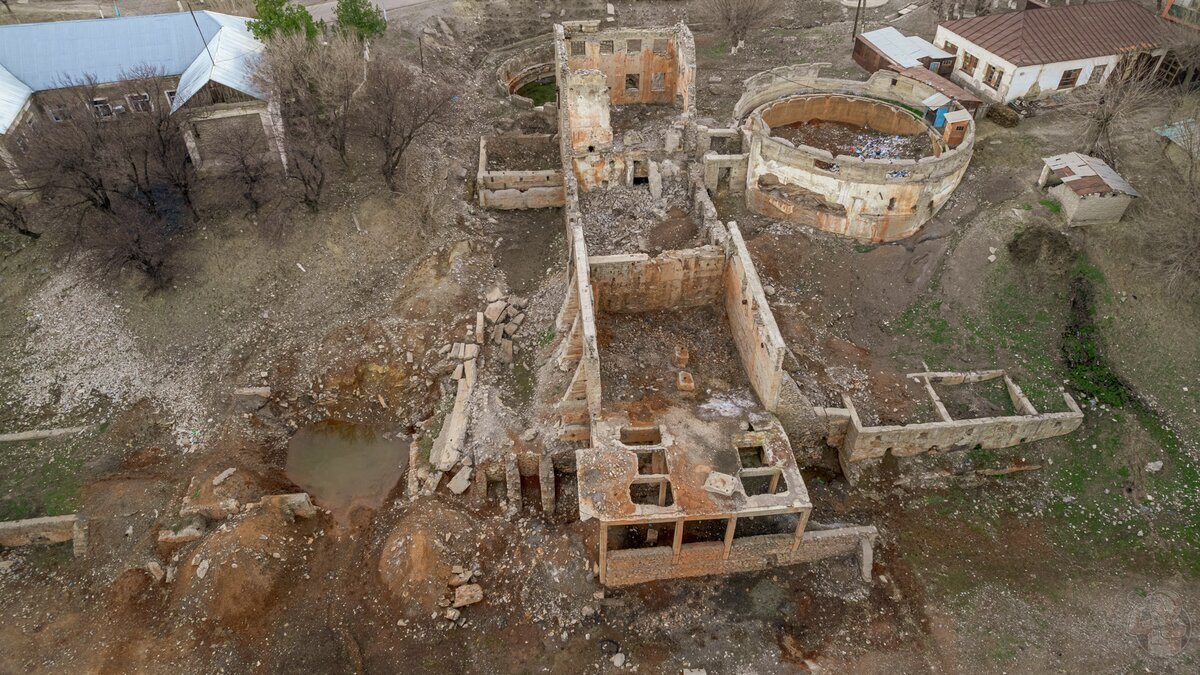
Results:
[766, 481]
[606, 46]
[56, 111]
[707, 530]
[139, 102]
[992, 76]
[633, 45]
[641, 435]
[101, 108]
[1097, 75]
[578, 48]
[642, 535]
[950, 48]
[633, 82]
[170, 94]
[651, 461]
[1069, 78]
[753, 526]
[752, 457]
[969, 63]
[651, 491]
[660, 46]
[658, 82]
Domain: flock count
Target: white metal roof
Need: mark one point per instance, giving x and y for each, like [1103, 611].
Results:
[40, 56]
[936, 100]
[233, 56]
[1087, 175]
[906, 50]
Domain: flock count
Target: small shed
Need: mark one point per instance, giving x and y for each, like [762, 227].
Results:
[878, 49]
[1091, 192]
[1180, 142]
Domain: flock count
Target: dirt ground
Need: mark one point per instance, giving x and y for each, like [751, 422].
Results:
[1054, 569]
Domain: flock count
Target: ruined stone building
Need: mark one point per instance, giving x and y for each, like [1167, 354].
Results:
[675, 402]
[49, 71]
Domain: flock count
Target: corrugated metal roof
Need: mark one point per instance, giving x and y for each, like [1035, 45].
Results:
[13, 94]
[903, 49]
[234, 55]
[941, 84]
[1055, 34]
[50, 55]
[1087, 175]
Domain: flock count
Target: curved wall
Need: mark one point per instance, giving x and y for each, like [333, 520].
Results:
[868, 199]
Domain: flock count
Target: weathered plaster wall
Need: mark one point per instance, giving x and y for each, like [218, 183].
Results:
[652, 56]
[746, 554]
[868, 199]
[753, 325]
[640, 283]
[1090, 210]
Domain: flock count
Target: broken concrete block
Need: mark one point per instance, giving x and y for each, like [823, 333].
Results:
[460, 577]
[494, 310]
[656, 184]
[719, 483]
[190, 532]
[497, 334]
[467, 594]
[155, 569]
[456, 352]
[458, 372]
[506, 350]
[510, 329]
[494, 293]
[518, 320]
[202, 570]
[461, 481]
[469, 372]
[519, 303]
[298, 504]
[470, 352]
[681, 356]
[451, 614]
[220, 478]
[684, 381]
[479, 334]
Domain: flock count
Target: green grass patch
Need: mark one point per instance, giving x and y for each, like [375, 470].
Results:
[540, 92]
[40, 487]
[864, 248]
[1051, 205]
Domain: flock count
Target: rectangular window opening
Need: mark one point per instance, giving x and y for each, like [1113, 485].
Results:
[1069, 78]
[641, 435]
[578, 48]
[101, 108]
[170, 94]
[652, 461]
[969, 63]
[658, 82]
[711, 529]
[642, 535]
[139, 102]
[606, 46]
[660, 46]
[633, 45]
[652, 492]
[753, 526]
[633, 82]
[752, 457]
[770, 482]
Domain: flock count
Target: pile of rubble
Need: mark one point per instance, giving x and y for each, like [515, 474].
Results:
[464, 594]
[505, 316]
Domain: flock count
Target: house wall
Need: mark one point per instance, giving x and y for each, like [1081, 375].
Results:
[675, 279]
[1092, 209]
[751, 322]
[1021, 82]
[645, 63]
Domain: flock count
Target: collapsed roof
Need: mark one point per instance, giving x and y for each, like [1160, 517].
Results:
[201, 47]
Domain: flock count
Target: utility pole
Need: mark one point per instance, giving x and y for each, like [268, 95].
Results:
[858, 7]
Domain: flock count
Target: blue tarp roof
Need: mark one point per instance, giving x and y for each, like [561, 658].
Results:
[43, 56]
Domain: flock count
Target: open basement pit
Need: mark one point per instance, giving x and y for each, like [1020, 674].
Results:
[852, 126]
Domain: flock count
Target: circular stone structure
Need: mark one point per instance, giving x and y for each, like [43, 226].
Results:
[525, 71]
[853, 164]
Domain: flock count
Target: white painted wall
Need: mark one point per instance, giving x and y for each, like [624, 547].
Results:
[1020, 82]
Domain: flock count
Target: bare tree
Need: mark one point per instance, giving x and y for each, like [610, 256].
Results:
[14, 214]
[1107, 107]
[736, 18]
[400, 105]
[1172, 204]
[7, 6]
[241, 150]
[315, 84]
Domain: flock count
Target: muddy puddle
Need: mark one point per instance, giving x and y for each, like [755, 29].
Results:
[346, 466]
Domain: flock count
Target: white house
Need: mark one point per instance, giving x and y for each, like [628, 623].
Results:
[1038, 52]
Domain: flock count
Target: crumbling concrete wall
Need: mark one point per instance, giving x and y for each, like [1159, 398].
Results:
[1097, 209]
[868, 199]
[46, 530]
[586, 101]
[746, 554]
[640, 283]
[641, 65]
[751, 322]
[206, 129]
